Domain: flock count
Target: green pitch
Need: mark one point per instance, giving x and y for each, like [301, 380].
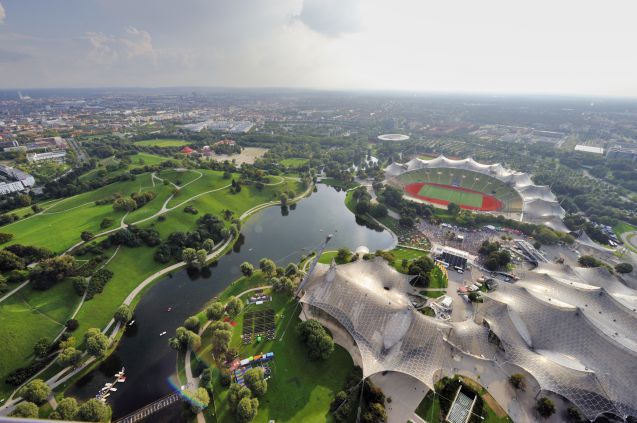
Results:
[452, 196]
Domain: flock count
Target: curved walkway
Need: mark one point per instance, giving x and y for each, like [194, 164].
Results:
[191, 381]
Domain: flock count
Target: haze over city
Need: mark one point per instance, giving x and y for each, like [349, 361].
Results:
[495, 46]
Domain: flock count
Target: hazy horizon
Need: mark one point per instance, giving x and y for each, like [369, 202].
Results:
[493, 48]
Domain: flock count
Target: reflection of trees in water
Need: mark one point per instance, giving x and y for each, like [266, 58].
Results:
[239, 243]
[131, 330]
[111, 365]
[285, 211]
[368, 224]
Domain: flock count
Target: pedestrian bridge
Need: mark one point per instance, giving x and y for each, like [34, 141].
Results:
[149, 409]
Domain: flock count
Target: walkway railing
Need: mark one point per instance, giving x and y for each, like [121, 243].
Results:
[149, 409]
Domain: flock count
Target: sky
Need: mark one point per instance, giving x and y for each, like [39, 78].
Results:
[582, 47]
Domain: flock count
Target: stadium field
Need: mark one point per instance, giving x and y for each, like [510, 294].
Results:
[445, 194]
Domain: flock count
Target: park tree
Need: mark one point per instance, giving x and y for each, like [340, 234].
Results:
[422, 267]
[126, 204]
[378, 410]
[96, 342]
[623, 268]
[254, 380]
[319, 343]
[545, 407]
[247, 409]
[283, 199]
[199, 399]
[69, 357]
[291, 270]
[51, 271]
[234, 306]
[283, 285]
[189, 256]
[86, 236]
[93, 410]
[343, 254]
[573, 415]
[41, 348]
[10, 261]
[123, 314]
[192, 324]
[246, 269]
[221, 333]
[362, 207]
[215, 311]
[267, 266]
[589, 261]
[236, 393]
[25, 410]
[208, 245]
[66, 410]
[36, 391]
[517, 381]
[202, 256]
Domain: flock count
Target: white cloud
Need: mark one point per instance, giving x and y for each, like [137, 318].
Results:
[3, 14]
[108, 49]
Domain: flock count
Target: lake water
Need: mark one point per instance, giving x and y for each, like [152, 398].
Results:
[284, 237]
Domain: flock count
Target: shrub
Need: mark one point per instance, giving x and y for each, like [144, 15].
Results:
[123, 314]
[36, 391]
[623, 268]
[97, 282]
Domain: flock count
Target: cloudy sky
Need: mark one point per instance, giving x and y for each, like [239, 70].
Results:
[499, 46]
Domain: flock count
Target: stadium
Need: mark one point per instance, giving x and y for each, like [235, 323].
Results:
[571, 330]
[479, 187]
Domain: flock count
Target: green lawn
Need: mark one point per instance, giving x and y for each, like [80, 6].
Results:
[180, 177]
[164, 142]
[623, 227]
[438, 279]
[401, 253]
[451, 195]
[146, 159]
[210, 179]
[294, 162]
[300, 389]
[130, 267]
[27, 316]
[61, 225]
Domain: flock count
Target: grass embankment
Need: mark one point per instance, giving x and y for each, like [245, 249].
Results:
[138, 160]
[27, 316]
[60, 226]
[294, 162]
[299, 389]
[163, 142]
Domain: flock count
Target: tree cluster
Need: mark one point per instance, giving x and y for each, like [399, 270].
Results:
[318, 342]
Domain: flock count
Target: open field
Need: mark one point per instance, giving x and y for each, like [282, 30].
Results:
[163, 142]
[27, 316]
[60, 226]
[179, 177]
[247, 155]
[199, 181]
[300, 389]
[294, 162]
[138, 160]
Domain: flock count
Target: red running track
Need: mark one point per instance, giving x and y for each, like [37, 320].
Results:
[489, 202]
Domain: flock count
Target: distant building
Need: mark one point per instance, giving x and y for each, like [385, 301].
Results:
[187, 150]
[14, 180]
[623, 151]
[225, 142]
[58, 156]
[589, 149]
